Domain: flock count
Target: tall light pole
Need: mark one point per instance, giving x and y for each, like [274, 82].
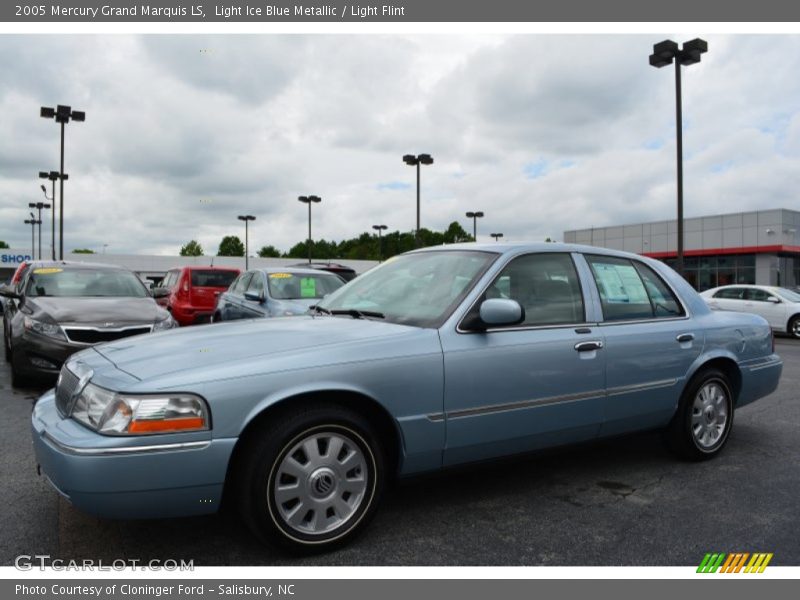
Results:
[32, 222]
[380, 229]
[246, 219]
[475, 216]
[53, 176]
[416, 161]
[665, 53]
[309, 200]
[62, 114]
[496, 236]
[39, 206]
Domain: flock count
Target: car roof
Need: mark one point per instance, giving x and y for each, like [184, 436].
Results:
[78, 265]
[526, 247]
[202, 268]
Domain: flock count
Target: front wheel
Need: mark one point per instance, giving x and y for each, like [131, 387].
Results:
[312, 480]
[704, 419]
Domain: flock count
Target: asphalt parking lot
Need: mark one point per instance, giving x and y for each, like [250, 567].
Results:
[620, 502]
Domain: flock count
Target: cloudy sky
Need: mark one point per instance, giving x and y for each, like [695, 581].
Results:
[541, 132]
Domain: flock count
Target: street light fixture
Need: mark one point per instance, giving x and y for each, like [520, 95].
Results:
[665, 53]
[496, 236]
[39, 206]
[380, 229]
[309, 200]
[53, 176]
[62, 114]
[32, 222]
[416, 161]
[246, 219]
[475, 216]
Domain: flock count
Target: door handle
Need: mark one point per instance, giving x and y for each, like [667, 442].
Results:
[588, 346]
[685, 337]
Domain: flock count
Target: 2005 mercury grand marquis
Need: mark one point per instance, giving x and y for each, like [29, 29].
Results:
[435, 358]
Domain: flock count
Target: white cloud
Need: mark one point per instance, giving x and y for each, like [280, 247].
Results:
[185, 132]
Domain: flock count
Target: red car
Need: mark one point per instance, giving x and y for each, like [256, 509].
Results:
[190, 293]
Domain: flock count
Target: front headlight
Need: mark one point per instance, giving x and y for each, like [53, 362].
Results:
[165, 324]
[119, 414]
[43, 328]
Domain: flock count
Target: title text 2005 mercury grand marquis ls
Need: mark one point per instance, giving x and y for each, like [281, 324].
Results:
[435, 358]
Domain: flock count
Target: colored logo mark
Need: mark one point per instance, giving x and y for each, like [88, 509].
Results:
[735, 562]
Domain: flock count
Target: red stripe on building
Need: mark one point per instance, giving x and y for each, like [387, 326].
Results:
[777, 249]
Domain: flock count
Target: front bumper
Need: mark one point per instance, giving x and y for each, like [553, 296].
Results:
[129, 477]
[36, 354]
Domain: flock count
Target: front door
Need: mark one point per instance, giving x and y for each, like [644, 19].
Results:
[536, 384]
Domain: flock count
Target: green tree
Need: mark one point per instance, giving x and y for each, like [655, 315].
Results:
[192, 248]
[82, 251]
[4, 245]
[231, 245]
[269, 252]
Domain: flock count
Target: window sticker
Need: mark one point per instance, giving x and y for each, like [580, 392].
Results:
[308, 287]
[47, 270]
[280, 275]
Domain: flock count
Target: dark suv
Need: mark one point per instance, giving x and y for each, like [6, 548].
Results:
[342, 271]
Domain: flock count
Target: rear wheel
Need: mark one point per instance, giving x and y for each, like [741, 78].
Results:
[704, 419]
[794, 327]
[311, 481]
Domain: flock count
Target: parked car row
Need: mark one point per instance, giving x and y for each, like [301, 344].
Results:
[435, 358]
[51, 309]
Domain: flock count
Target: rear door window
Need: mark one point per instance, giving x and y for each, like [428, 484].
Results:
[631, 291]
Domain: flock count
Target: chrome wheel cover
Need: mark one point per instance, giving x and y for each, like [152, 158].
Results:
[710, 415]
[320, 482]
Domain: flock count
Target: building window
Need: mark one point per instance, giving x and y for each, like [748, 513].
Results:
[706, 272]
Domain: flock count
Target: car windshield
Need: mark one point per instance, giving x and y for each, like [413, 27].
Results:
[419, 289]
[302, 286]
[788, 294]
[73, 283]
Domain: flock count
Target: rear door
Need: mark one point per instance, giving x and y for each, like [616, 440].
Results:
[231, 302]
[650, 343]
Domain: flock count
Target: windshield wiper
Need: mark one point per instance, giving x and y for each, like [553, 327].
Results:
[318, 309]
[358, 314]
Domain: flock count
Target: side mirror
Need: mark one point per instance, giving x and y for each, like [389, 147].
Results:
[160, 292]
[774, 300]
[499, 312]
[9, 292]
[253, 297]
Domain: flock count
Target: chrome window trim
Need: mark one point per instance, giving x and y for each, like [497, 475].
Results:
[114, 451]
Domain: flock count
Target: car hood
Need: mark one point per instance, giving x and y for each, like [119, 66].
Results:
[256, 346]
[119, 311]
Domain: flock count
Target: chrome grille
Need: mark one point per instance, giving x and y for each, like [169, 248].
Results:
[67, 383]
[90, 335]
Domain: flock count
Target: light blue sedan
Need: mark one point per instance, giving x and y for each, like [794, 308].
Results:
[435, 358]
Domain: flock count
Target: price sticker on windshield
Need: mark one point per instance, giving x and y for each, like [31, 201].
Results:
[47, 270]
[308, 287]
[280, 275]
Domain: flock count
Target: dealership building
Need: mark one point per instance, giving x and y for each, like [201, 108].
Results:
[760, 247]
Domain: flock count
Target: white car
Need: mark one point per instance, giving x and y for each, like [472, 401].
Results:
[779, 306]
